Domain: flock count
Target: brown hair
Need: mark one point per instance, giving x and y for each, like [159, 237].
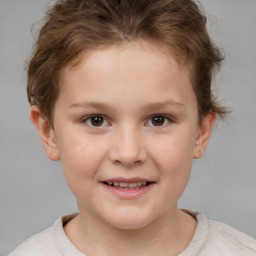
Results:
[73, 27]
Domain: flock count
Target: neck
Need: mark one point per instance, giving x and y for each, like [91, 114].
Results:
[168, 235]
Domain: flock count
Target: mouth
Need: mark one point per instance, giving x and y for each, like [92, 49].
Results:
[128, 185]
[128, 189]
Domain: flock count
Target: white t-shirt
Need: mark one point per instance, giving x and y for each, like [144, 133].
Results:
[211, 238]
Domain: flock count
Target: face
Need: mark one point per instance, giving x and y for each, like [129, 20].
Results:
[126, 130]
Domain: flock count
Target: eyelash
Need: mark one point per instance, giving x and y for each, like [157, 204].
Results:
[166, 120]
[89, 119]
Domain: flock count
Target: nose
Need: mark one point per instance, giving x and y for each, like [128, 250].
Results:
[127, 148]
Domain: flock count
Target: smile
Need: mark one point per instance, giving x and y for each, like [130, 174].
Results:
[128, 188]
[127, 185]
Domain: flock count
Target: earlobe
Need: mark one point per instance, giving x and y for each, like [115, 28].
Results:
[46, 133]
[203, 136]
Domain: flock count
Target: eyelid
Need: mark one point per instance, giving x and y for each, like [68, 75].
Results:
[166, 117]
[86, 118]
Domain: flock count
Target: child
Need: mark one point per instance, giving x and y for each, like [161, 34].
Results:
[120, 92]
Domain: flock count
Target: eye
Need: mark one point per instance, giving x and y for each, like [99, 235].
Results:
[158, 121]
[96, 121]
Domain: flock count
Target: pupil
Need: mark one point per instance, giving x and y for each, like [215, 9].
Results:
[158, 120]
[97, 121]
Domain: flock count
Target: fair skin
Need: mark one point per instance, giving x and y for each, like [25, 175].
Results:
[126, 116]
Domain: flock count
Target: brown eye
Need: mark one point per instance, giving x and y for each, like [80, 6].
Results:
[96, 121]
[158, 121]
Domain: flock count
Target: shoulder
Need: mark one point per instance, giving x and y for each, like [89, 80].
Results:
[51, 241]
[229, 241]
[39, 244]
[214, 238]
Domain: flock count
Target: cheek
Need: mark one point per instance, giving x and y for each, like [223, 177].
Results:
[174, 152]
[173, 158]
[175, 170]
[81, 160]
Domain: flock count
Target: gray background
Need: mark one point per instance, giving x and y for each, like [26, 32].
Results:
[33, 192]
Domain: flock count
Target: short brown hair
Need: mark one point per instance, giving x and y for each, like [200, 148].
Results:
[73, 27]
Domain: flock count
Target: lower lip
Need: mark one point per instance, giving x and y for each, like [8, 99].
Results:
[129, 193]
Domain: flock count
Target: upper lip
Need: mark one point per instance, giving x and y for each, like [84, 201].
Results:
[127, 180]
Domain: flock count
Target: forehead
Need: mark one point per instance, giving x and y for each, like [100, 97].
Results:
[139, 66]
[138, 53]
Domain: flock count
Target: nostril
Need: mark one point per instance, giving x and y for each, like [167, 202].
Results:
[127, 150]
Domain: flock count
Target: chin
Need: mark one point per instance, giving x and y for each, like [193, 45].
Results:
[129, 225]
[129, 221]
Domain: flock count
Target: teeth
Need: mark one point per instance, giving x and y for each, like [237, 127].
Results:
[123, 184]
[133, 184]
[127, 185]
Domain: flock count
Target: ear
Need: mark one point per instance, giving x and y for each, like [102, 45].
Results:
[46, 133]
[204, 133]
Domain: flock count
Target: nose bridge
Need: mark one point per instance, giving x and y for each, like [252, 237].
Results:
[127, 147]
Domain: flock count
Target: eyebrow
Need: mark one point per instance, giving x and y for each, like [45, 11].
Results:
[163, 104]
[91, 104]
[145, 107]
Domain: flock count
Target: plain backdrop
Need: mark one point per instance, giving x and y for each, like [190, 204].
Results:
[33, 192]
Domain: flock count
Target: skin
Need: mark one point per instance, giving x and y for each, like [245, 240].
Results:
[126, 86]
